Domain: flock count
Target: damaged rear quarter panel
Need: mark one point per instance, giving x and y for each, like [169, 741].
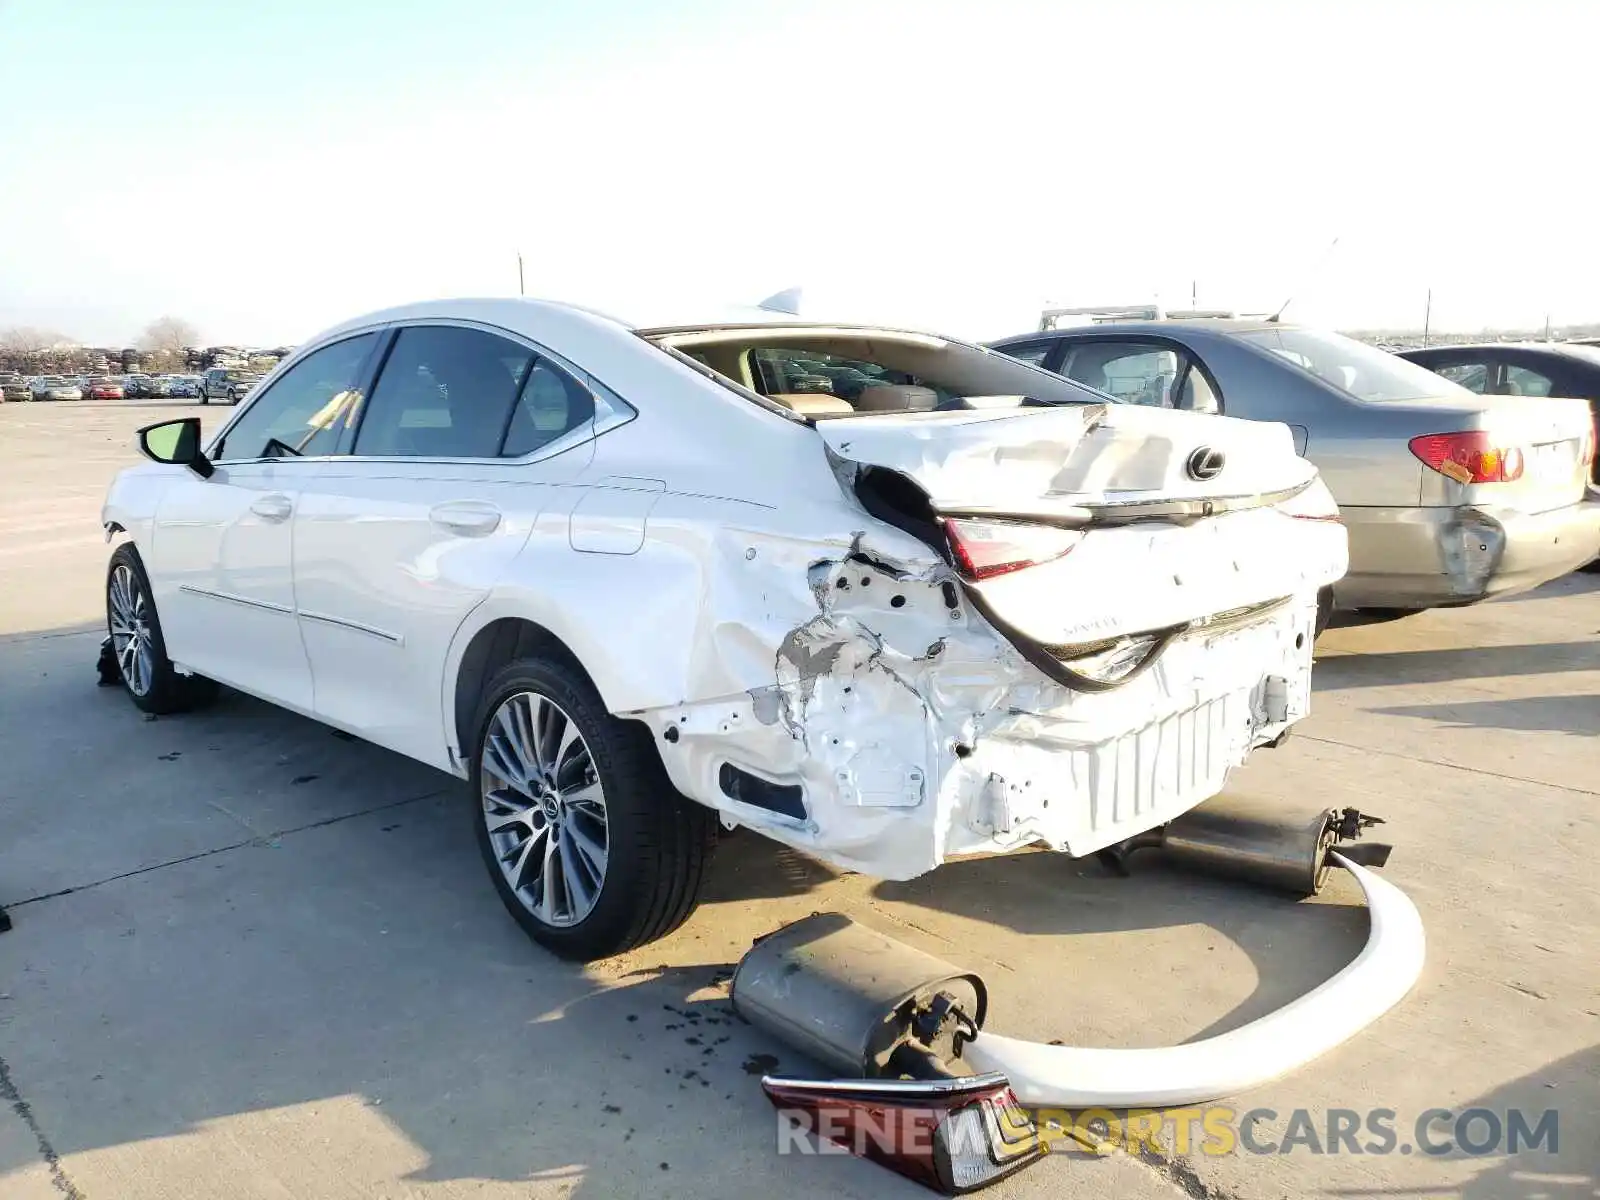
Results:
[811, 645]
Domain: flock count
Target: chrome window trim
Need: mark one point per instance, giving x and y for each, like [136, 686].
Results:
[611, 411]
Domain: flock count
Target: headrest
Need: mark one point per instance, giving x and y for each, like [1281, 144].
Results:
[896, 397]
[812, 404]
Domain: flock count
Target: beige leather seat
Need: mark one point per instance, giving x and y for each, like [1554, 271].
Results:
[812, 404]
[896, 397]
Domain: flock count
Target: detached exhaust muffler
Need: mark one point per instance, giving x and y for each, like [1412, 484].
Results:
[1256, 841]
[931, 1095]
[894, 1021]
[857, 1001]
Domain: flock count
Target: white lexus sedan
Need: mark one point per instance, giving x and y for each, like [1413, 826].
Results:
[882, 596]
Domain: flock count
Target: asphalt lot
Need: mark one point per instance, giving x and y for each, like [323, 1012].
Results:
[254, 960]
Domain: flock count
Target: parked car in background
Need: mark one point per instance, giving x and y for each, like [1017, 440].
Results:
[57, 387]
[159, 387]
[1523, 369]
[1450, 497]
[15, 388]
[134, 384]
[1520, 369]
[186, 387]
[226, 383]
[103, 388]
[886, 630]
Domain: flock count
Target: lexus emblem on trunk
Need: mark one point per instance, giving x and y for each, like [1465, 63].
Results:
[1205, 463]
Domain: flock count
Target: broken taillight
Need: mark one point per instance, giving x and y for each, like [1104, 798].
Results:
[1469, 457]
[952, 1135]
[984, 549]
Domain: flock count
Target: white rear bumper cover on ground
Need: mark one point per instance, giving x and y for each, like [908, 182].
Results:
[1233, 1062]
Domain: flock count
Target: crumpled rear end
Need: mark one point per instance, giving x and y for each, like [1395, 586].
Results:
[901, 726]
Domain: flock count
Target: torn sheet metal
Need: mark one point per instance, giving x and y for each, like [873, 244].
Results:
[914, 731]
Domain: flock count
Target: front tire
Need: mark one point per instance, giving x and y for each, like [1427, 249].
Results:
[148, 676]
[591, 849]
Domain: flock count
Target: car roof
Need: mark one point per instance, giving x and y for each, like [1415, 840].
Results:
[1207, 325]
[1563, 349]
[528, 313]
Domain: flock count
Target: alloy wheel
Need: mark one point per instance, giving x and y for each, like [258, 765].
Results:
[130, 630]
[544, 809]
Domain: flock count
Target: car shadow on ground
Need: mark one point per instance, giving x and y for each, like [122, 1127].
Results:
[326, 954]
[1293, 945]
[1574, 714]
[1550, 1116]
[1346, 671]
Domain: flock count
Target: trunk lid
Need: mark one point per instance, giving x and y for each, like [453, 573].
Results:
[1551, 433]
[1229, 550]
[1038, 461]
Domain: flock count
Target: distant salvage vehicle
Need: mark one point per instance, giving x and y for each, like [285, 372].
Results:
[57, 387]
[226, 383]
[104, 388]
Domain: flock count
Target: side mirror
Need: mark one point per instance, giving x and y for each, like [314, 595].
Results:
[176, 443]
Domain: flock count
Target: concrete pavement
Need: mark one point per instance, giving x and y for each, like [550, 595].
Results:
[252, 959]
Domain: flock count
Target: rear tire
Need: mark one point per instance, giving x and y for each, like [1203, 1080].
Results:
[148, 676]
[544, 817]
[1324, 612]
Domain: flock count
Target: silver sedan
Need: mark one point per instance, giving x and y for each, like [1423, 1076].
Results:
[1450, 497]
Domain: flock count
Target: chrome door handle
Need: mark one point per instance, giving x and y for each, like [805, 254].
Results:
[275, 507]
[468, 518]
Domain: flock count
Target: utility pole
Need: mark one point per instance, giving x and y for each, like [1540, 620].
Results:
[1427, 318]
[520, 290]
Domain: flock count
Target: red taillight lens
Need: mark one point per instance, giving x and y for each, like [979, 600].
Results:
[951, 1135]
[984, 549]
[1469, 457]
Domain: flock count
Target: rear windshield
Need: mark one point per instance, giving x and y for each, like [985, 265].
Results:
[1353, 367]
[827, 374]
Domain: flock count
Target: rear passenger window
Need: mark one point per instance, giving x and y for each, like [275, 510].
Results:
[1033, 353]
[1132, 372]
[445, 392]
[1196, 394]
[552, 404]
[1472, 376]
[1520, 381]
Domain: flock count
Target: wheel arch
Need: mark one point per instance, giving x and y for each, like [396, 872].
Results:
[492, 644]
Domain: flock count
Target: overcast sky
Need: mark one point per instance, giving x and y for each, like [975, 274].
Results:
[265, 170]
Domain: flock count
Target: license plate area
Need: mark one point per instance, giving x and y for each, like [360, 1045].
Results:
[1553, 462]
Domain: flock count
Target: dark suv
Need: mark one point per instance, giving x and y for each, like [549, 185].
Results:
[226, 383]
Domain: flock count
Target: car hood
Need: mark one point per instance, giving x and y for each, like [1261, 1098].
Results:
[1042, 460]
